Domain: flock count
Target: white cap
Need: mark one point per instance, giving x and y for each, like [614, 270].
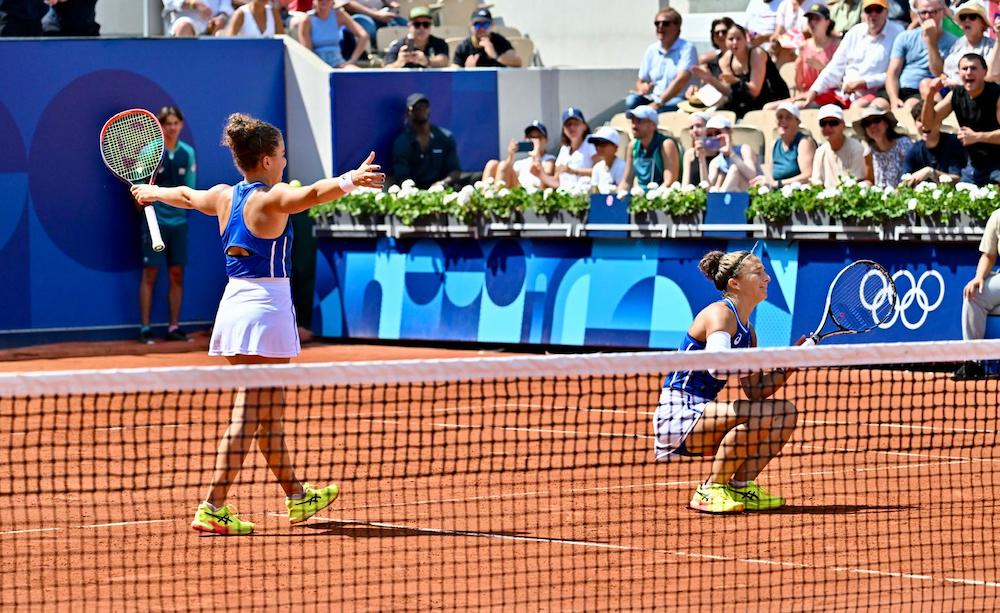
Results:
[605, 133]
[719, 122]
[643, 112]
[831, 111]
[790, 108]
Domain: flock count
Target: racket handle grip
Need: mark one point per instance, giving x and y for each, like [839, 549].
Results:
[154, 228]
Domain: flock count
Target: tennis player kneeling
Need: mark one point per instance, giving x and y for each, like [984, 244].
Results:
[742, 436]
[256, 322]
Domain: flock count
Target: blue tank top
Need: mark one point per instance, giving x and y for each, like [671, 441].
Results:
[269, 257]
[786, 163]
[648, 163]
[699, 382]
[326, 37]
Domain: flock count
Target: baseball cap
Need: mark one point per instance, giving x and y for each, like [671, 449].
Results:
[790, 108]
[830, 111]
[413, 99]
[420, 11]
[604, 134]
[818, 8]
[883, 3]
[643, 111]
[973, 8]
[719, 122]
[572, 112]
[481, 15]
[537, 125]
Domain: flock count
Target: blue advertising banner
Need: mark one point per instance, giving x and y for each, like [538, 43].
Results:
[626, 293]
[69, 230]
[369, 108]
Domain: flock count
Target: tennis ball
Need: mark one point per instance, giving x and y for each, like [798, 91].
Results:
[295, 183]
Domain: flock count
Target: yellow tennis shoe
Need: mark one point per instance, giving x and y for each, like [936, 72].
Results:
[755, 497]
[312, 502]
[224, 521]
[715, 498]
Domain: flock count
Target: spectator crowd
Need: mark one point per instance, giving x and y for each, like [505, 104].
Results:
[883, 91]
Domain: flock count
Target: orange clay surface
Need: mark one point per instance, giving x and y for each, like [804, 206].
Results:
[529, 495]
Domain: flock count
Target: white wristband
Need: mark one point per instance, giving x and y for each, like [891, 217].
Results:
[346, 183]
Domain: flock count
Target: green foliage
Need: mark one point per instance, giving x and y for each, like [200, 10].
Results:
[673, 200]
[849, 201]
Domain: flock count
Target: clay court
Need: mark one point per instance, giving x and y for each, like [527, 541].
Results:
[532, 495]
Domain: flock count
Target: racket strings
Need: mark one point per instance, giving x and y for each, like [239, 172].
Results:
[862, 298]
[132, 146]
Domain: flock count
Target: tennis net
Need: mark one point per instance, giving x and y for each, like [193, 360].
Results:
[524, 483]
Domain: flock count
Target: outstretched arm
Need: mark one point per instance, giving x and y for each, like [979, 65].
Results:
[283, 198]
[183, 197]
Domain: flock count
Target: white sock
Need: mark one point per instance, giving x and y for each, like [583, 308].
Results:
[298, 496]
[212, 506]
[738, 484]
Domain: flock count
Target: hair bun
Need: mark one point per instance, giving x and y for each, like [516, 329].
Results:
[709, 264]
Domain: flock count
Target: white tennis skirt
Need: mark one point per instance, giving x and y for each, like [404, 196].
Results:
[256, 317]
[676, 416]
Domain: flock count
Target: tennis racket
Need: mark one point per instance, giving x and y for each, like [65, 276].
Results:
[132, 147]
[861, 297]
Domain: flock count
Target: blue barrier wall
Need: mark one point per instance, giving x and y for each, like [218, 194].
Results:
[68, 229]
[369, 108]
[637, 293]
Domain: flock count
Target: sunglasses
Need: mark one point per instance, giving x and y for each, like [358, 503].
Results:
[928, 13]
[482, 25]
[829, 123]
[874, 10]
[967, 17]
[664, 23]
[712, 133]
[719, 33]
[867, 123]
[421, 24]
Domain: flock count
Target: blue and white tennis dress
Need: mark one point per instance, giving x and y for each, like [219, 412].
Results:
[256, 316]
[685, 394]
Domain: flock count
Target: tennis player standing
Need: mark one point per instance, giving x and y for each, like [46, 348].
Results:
[256, 322]
[742, 436]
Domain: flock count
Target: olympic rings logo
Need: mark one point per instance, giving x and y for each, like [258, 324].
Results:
[916, 294]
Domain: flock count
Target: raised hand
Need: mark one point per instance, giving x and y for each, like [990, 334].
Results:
[367, 175]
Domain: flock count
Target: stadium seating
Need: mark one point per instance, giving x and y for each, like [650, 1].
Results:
[787, 72]
[810, 123]
[525, 48]
[385, 36]
[454, 12]
[673, 122]
[749, 135]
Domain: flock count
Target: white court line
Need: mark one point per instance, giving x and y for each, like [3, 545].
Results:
[32, 530]
[128, 523]
[146, 427]
[512, 495]
[899, 426]
[669, 552]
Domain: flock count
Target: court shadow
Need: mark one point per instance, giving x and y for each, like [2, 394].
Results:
[368, 531]
[837, 509]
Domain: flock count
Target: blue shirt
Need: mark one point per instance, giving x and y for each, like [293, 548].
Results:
[269, 257]
[699, 383]
[785, 164]
[911, 48]
[949, 156]
[659, 67]
[178, 167]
